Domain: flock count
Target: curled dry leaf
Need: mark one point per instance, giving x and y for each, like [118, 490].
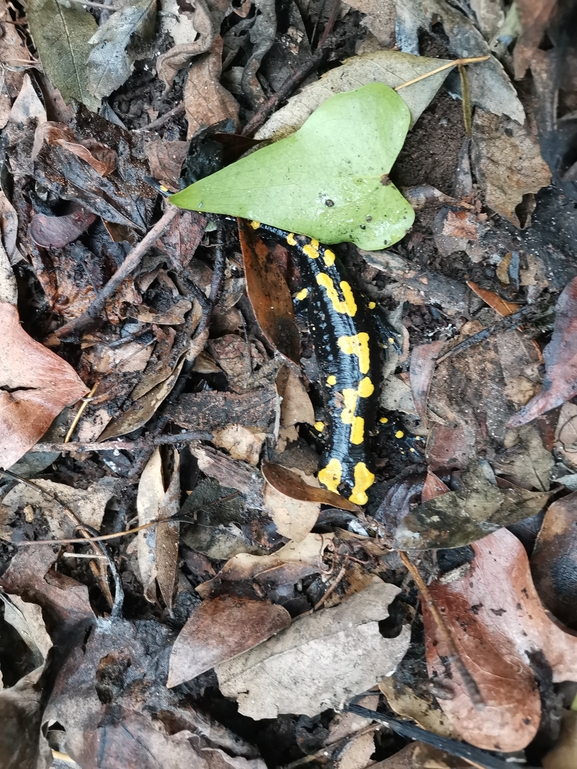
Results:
[320, 661]
[560, 383]
[157, 546]
[58, 231]
[292, 485]
[269, 295]
[35, 386]
[293, 518]
[222, 628]
[292, 562]
[101, 158]
[498, 624]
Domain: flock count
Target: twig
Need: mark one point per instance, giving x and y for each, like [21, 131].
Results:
[267, 107]
[85, 401]
[468, 681]
[136, 445]
[160, 121]
[126, 268]
[333, 587]
[448, 65]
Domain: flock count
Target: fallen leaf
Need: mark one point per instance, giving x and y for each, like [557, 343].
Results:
[328, 159]
[58, 231]
[554, 561]
[292, 562]
[498, 624]
[117, 44]
[502, 307]
[460, 517]
[219, 629]
[524, 460]
[564, 754]
[423, 361]
[411, 704]
[507, 162]
[157, 546]
[37, 385]
[22, 743]
[13, 53]
[293, 518]
[62, 36]
[320, 661]
[379, 18]
[560, 383]
[209, 410]
[534, 16]
[296, 405]
[290, 484]
[206, 101]
[566, 434]
[242, 443]
[269, 295]
[8, 285]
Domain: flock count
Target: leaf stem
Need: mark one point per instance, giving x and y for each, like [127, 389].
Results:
[448, 65]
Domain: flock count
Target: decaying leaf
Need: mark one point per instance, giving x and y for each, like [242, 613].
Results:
[58, 231]
[459, 517]
[222, 628]
[158, 545]
[37, 386]
[290, 484]
[320, 661]
[499, 626]
[117, 44]
[560, 383]
[62, 34]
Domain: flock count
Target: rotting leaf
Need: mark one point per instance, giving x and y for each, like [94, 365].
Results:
[498, 623]
[560, 383]
[116, 46]
[157, 545]
[269, 295]
[459, 517]
[219, 629]
[320, 661]
[329, 180]
[58, 231]
[61, 35]
[35, 385]
[290, 484]
[423, 360]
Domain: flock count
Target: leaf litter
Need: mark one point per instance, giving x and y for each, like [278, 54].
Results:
[240, 571]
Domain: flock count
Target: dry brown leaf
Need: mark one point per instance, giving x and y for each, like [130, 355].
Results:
[206, 101]
[22, 742]
[296, 406]
[423, 360]
[498, 623]
[494, 301]
[292, 484]
[222, 628]
[36, 385]
[408, 704]
[292, 562]
[508, 163]
[157, 546]
[241, 442]
[320, 661]
[293, 518]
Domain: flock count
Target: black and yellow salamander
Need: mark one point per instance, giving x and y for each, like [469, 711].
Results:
[347, 331]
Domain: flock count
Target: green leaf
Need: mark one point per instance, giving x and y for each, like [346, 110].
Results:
[61, 36]
[329, 180]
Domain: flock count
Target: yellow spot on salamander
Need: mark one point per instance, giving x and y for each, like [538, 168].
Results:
[329, 257]
[255, 225]
[331, 380]
[366, 387]
[290, 239]
[363, 480]
[346, 306]
[302, 294]
[399, 434]
[311, 251]
[330, 476]
[372, 305]
[358, 431]
[350, 398]
[319, 426]
[358, 345]
[384, 420]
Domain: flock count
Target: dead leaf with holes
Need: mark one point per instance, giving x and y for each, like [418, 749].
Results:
[500, 627]
[320, 661]
[35, 385]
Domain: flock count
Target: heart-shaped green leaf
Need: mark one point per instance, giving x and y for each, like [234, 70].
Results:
[329, 180]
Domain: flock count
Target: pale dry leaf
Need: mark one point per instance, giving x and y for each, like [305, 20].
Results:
[8, 285]
[390, 67]
[36, 385]
[220, 629]
[320, 661]
[498, 624]
[206, 101]
[296, 406]
[88, 505]
[157, 546]
[293, 518]
[379, 18]
[27, 105]
[26, 618]
[240, 442]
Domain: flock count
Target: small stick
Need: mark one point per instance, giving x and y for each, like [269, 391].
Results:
[137, 445]
[160, 121]
[448, 65]
[468, 681]
[128, 266]
[85, 401]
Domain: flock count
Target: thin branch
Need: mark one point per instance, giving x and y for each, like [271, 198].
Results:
[136, 445]
[448, 65]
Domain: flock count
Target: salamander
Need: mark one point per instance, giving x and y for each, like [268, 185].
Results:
[347, 330]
